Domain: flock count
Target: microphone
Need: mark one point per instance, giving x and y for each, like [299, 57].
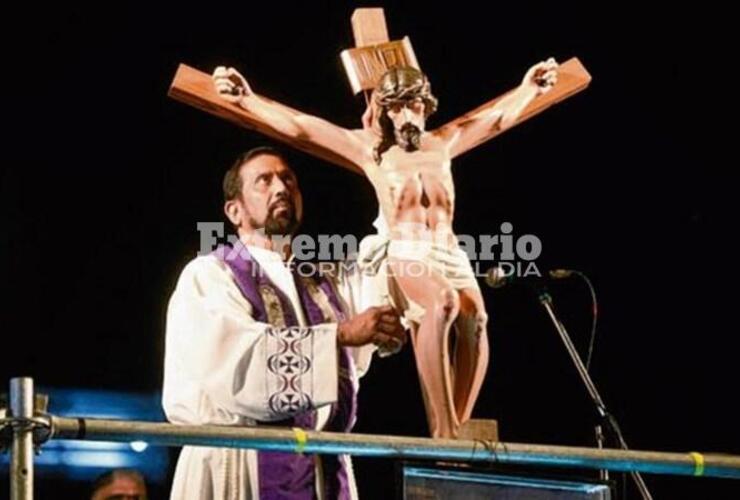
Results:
[496, 277]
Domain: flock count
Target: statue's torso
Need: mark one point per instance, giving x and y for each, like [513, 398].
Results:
[415, 187]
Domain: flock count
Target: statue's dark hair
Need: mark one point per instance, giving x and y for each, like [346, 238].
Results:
[399, 84]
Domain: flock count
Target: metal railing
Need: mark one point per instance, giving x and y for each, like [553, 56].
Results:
[26, 429]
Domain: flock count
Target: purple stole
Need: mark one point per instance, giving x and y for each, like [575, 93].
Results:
[293, 475]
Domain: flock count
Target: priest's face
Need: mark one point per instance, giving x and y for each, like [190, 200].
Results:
[270, 198]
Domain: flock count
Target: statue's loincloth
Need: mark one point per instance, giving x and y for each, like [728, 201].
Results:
[447, 260]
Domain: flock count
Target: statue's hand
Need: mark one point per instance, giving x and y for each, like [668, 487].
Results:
[230, 84]
[541, 77]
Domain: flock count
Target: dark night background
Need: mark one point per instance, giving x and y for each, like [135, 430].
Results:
[623, 181]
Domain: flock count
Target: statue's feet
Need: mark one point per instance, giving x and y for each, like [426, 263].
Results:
[445, 429]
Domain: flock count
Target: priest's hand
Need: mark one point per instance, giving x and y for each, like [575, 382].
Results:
[377, 325]
[230, 84]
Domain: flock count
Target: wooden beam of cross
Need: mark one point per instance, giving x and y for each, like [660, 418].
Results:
[374, 53]
[572, 78]
[195, 88]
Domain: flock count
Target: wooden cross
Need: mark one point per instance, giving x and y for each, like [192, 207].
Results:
[364, 64]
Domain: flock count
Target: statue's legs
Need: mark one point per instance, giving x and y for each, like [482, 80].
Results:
[471, 352]
[441, 304]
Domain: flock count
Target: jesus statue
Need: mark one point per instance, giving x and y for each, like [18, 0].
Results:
[409, 168]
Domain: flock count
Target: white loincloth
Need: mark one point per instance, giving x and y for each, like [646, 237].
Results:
[445, 258]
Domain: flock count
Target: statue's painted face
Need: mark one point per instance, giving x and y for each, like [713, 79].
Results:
[403, 96]
[409, 119]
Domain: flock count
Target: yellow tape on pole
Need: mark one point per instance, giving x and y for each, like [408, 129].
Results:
[301, 438]
[698, 463]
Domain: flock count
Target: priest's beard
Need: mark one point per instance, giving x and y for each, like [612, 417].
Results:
[408, 137]
[281, 225]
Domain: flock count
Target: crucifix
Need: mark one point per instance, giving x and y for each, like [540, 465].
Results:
[410, 169]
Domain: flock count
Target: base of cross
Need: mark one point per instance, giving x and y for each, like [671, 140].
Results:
[479, 429]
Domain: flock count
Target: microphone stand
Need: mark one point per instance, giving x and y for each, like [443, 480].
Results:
[607, 418]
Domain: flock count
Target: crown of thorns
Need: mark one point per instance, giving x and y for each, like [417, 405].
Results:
[402, 84]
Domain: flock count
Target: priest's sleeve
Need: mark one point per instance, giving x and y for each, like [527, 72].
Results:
[222, 366]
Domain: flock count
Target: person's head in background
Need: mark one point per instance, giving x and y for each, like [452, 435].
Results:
[119, 484]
